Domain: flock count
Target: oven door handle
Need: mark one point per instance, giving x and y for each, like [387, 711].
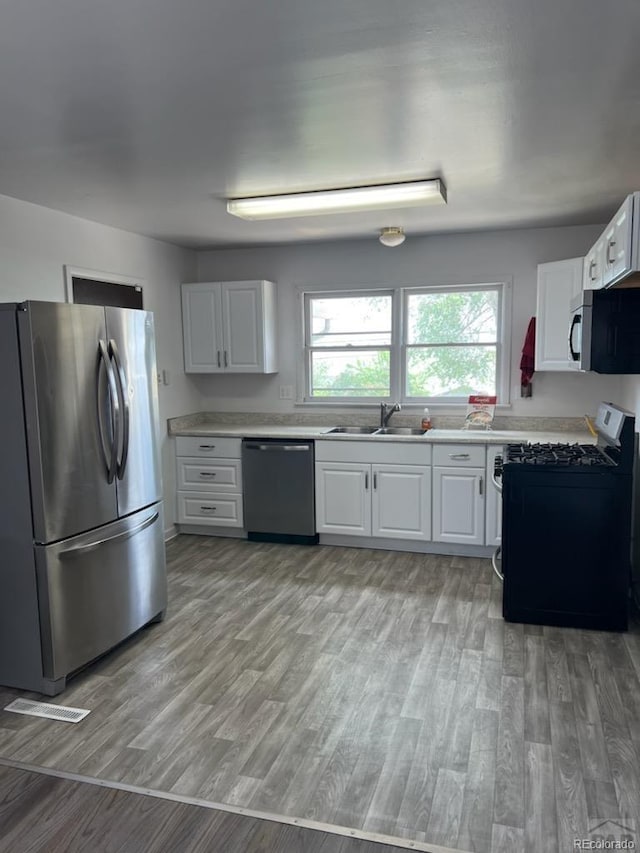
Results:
[576, 320]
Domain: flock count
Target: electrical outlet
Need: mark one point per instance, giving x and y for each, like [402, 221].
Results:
[286, 392]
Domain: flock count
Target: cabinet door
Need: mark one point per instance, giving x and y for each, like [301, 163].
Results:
[594, 267]
[493, 525]
[401, 501]
[343, 498]
[458, 505]
[617, 243]
[558, 284]
[243, 350]
[202, 327]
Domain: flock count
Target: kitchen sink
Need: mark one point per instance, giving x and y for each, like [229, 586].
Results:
[354, 430]
[400, 431]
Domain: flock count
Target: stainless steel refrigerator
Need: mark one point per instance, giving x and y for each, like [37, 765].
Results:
[82, 562]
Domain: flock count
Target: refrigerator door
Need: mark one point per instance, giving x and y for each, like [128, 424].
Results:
[68, 389]
[133, 355]
[98, 588]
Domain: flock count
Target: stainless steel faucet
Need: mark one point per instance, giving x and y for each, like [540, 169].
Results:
[386, 412]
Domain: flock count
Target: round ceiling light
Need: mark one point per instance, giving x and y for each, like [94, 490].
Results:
[392, 236]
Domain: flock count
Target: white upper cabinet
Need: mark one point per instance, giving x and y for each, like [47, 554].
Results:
[229, 327]
[558, 284]
[594, 266]
[616, 253]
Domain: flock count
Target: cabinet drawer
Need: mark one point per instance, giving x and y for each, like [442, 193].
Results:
[467, 455]
[215, 509]
[187, 445]
[217, 475]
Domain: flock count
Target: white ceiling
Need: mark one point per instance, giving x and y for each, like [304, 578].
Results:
[146, 114]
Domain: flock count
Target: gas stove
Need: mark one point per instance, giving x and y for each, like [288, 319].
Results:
[566, 527]
[562, 455]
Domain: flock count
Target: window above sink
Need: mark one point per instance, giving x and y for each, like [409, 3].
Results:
[412, 344]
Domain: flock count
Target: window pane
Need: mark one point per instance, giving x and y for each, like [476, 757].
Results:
[350, 321]
[350, 374]
[451, 371]
[453, 317]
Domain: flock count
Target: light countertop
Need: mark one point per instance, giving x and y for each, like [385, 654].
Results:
[441, 436]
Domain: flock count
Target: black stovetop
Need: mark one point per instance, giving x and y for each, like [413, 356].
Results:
[559, 455]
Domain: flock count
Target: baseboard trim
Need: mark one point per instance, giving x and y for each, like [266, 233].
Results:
[202, 530]
[170, 533]
[444, 548]
[403, 843]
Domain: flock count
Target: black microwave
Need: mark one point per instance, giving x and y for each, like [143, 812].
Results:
[604, 333]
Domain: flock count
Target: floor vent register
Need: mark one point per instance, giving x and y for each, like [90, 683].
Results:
[49, 712]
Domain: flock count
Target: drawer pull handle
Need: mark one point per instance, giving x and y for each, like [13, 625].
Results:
[207, 473]
[459, 456]
[207, 508]
[219, 358]
[611, 245]
[481, 485]
[592, 267]
[207, 447]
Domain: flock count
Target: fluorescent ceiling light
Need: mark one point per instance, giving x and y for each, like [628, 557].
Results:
[409, 194]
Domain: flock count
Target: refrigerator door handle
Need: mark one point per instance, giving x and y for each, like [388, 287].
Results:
[124, 402]
[124, 534]
[112, 463]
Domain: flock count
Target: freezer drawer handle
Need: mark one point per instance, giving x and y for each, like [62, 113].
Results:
[125, 534]
[110, 464]
[124, 402]
[278, 447]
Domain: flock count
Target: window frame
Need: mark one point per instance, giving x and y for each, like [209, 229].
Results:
[398, 348]
[405, 346]
[308, 349]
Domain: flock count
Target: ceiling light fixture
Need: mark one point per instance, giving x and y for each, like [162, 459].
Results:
[392, 236]
[409, 194]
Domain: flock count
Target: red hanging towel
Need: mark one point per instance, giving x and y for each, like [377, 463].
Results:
[527, 362]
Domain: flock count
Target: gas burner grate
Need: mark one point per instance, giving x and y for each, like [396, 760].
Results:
[562, 455]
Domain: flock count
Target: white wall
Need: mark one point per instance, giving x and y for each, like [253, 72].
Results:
[631, 396]
[447, 259]
[36, 242]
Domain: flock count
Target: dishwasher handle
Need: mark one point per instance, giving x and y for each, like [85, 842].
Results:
[279, 447]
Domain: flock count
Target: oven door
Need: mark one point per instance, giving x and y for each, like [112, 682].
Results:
[580, 332]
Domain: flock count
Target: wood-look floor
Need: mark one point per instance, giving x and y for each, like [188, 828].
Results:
[371, 689]
[42, 814]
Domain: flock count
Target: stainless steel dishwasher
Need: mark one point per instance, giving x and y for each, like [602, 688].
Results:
[279, 491]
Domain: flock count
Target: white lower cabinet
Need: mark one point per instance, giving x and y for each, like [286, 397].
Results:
[375, 489]
[343, 499]
[209, 476]
[459, 485]
[401, 502]
[358, 499]
[458, 505]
